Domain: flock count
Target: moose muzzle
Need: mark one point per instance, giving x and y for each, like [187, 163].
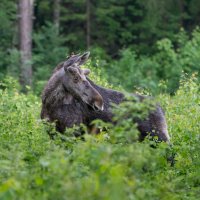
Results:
[98, 104]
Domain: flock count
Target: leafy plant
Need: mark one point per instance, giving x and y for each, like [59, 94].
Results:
[110, 165]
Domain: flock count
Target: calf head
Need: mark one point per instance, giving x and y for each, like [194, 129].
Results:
[76, 83]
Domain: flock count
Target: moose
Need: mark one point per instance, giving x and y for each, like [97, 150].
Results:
[71, 98]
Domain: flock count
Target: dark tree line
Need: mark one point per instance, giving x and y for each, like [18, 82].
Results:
[114, 24]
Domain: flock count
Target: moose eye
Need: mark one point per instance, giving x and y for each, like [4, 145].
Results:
[76, 79]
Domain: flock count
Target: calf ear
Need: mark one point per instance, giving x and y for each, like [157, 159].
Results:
[71, 60]
[83, 58]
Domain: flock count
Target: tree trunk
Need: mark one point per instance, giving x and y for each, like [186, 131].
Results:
[56, 14]
[25, 41]
[88, 34]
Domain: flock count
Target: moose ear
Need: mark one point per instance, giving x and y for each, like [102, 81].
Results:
[86, 72]
[71, 70]
[83, 58]
[73, 59]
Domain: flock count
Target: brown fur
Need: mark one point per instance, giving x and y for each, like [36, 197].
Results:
[66, 110]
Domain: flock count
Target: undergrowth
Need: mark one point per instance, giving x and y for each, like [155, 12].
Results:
[112, 165]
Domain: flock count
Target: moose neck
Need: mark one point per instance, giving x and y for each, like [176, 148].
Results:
[108, 94]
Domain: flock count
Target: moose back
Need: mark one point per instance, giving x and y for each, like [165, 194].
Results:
[71, 98]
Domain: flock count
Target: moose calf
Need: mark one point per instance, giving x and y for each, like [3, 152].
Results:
[70, 98]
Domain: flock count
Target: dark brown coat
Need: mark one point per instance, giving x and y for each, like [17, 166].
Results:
[67, 107]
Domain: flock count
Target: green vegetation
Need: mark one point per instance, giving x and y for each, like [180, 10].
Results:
[112, 165]
[167, 64]
[148, 46]
[140, 42]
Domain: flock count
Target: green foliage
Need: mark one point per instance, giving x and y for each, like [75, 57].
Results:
[48, 51]
[111, 165]
[132, 72]
[140, 43]
[7, 33]
[73, 23]
[97, 74]
[117, 24]
[167, 64]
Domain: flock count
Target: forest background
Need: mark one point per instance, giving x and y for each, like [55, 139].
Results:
[143, 43]
[146, 46]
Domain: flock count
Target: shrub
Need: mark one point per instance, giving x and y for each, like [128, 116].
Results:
[48, 52]
[111, 165]
[167, 64]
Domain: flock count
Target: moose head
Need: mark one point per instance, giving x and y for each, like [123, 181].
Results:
[76, 83]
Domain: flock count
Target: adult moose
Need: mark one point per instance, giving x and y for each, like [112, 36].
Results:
[71, 98]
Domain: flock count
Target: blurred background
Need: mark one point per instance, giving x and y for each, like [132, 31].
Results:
[145, 44]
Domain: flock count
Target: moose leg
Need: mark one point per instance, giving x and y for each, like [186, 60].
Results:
[60, 127]
[92, 129]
